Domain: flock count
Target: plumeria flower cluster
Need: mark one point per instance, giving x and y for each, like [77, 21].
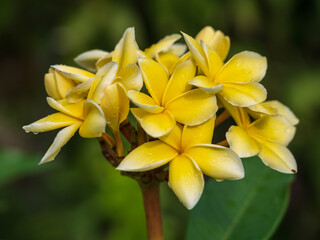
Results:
[174, 91]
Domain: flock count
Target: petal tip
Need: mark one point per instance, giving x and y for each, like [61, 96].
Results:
[45, 160]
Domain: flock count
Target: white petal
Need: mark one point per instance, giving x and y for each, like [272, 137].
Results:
[60, 140]
[89, 59]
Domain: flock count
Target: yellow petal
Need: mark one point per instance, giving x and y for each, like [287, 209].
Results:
[142, 54]
[94, 123]
[79, 92]
[275, 107]
[73, 73]
[60, 140]
[244, 94]
[124, 104]
[219, 43]
[104, 60]
[177, 49]
[214, 61]
[157, 124]
[144, 101]
[183, 58]
[242, 68]
[193, 107]
[277, 157]
[63, 84]
[179, 81]
[126, 50]
[163, 45]
[273, 128]
[206, 34]
[51, 122]
[138, 113]
[173, 138]
[284, 111]
[115, 105]
[148, 156]
[167, 60]
[155, 78]
[198, 54]
[186, 180]
[89, 59]
[206, 84]
[200, 134]
[216, 161]
[72, 109]
[51, 86]
[130, 78]
[241, 143]
[103, 78]
[261, 110]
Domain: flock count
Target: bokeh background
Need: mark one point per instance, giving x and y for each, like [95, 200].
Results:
[79, 195]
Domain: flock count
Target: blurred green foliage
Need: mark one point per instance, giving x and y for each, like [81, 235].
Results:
[79, 196]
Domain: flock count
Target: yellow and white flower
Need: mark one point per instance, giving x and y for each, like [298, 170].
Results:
[237, 81]
[267, 137]
[85, 116]
[171, 99]
[189, 152]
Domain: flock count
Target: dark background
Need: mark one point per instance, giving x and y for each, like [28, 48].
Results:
[79, 196]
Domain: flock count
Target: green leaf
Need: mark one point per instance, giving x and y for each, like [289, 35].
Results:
[15, 164]
[250, 208]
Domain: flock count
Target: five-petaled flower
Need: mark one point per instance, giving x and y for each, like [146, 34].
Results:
[189, 152]
[237, 81]
[169, 97]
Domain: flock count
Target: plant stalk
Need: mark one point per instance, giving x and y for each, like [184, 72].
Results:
[151, 199]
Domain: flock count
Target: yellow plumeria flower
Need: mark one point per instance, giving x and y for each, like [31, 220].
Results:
[61, 79]
[109, 86]
[120, 68]
[237, 81]
[190, 153]
[267, 137]
[124, 55]
[171, 99]
[85, 116]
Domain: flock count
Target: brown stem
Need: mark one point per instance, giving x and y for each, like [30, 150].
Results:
[108, 139]
[222, 117]
[141, 135]
[223, 143]
[151, 199]
[127, 130]
[108, 152]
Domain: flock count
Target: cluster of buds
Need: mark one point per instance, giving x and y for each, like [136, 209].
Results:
[175, 92]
